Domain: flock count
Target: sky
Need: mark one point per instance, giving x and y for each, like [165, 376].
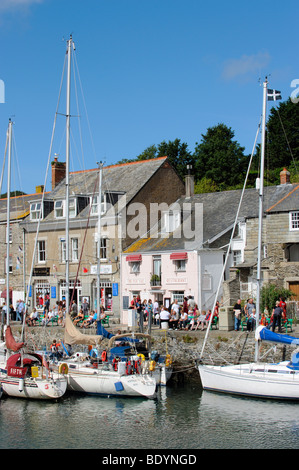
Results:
[145, 71]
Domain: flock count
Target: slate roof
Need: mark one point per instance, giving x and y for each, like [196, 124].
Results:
[219, 213]
[19, 206]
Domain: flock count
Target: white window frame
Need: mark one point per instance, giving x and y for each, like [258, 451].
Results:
[41, 251]
[35, 211]
[94, 202]
[72, 208]
[294, 221]
[103, 248]
[180, 265]
[10, 264]
[59, 209]
[75, 249]
[10, 234]
[171, 221]
[63, 249]
[134, 267]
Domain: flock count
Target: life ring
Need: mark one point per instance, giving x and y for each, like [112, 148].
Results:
[142, 357]
[63, 368]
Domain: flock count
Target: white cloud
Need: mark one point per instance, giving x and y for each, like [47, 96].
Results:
[245, 65]
[9, 5]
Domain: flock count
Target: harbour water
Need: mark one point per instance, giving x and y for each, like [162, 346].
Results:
[182, 417]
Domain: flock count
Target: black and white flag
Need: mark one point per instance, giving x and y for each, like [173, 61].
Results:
[274, 95]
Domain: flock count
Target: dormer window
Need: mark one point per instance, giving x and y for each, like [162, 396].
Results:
[94, 201]
[35, 210]
[171, 221]
[59, 208]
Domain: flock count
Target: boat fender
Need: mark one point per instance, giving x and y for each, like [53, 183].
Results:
[104, 356]
[115, 362]
[152, 366]
[168, 361]
[21, 385]
[63, 368]
[128, 368]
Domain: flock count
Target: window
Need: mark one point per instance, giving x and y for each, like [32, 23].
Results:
[95, 204]
[63, 249]
[178, 295]
[10, 234]
[135, 266]
[171, 221]
[294, 220]
[59, 209]
[41, 254]
[10, 264]
[103, 248]
[72, 208]
[35, 210]
[237, 257]
[75, 250]
[180, 265]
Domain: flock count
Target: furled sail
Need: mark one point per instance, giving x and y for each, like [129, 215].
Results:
[73, 336]
[11, 342]
[264, 334]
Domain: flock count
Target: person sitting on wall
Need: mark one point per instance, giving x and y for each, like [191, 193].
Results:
[79, 317]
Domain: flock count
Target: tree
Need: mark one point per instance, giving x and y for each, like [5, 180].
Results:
[177, 153]
[282, 142]
[220, 158]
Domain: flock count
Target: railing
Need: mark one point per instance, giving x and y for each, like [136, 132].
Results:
[155, 280]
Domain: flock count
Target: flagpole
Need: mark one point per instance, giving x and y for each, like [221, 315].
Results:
[260, 227]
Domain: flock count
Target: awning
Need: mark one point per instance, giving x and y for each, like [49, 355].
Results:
[3, 293]
[178, 256]
[132, 258]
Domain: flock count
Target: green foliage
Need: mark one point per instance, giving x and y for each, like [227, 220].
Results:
[218, 161]
[219, 158]
[271, 293]
[205, 185]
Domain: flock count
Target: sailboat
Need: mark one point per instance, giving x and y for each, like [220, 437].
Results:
[257, 379]
[22, 374]
[85, 375]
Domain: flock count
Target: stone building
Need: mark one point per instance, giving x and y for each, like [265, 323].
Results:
[126, 188]
[19, 210]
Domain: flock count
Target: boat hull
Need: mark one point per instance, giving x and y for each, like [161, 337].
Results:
[273, 381]
[101, 382]
[42, 389]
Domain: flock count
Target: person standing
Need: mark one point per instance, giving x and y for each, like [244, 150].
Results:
[237, 311]
[277, 314]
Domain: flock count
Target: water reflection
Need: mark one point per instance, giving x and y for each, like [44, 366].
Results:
[182, 417]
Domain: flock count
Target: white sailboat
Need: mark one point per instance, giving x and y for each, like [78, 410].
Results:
[257, 379]
[83, 375]
[22, 374]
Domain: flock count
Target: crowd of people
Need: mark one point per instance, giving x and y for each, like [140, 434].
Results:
[183, 316]
[269, 319]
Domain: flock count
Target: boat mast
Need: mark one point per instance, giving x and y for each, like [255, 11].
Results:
[8, 219]
[67, 189]
[99, 240]
[261, 200]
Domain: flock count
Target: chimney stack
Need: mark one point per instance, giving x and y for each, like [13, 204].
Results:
[58, 171]
[284, 176]
[189, 182]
